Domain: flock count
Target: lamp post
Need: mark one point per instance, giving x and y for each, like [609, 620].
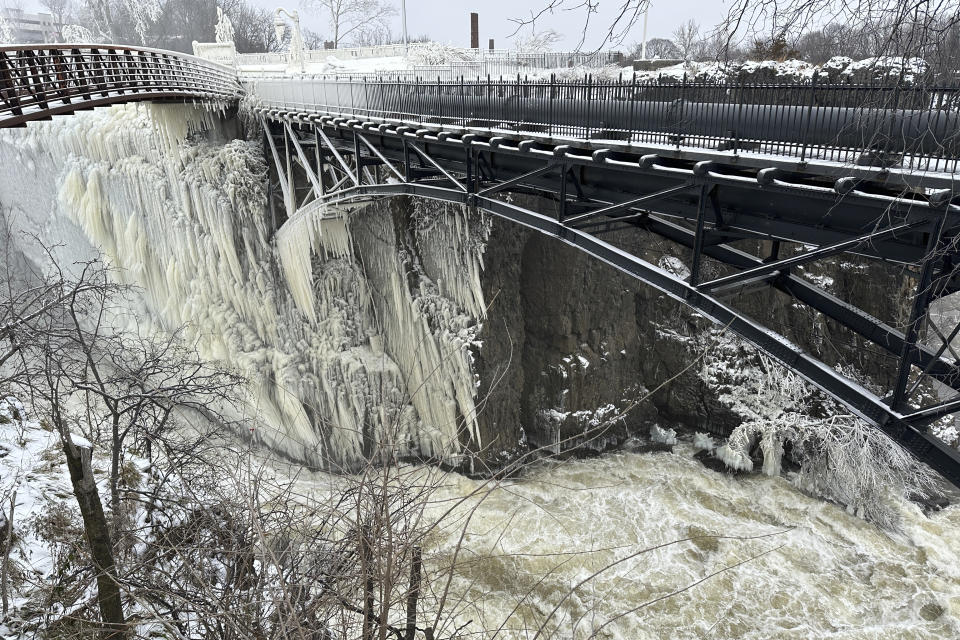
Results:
[296, 37]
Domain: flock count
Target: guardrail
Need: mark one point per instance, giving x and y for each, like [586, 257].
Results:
[38, 82]
[914, 127]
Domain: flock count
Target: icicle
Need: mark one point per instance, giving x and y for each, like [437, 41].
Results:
[180, 211]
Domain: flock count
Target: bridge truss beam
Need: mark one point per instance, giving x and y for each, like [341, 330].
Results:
[702, 206]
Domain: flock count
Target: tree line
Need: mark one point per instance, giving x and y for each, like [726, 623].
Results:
[176, 24]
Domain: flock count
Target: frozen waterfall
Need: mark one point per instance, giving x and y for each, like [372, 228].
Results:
[354, 329]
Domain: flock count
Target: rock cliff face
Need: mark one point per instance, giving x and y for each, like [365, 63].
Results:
[585, 342]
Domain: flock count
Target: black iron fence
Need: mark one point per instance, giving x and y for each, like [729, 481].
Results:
[917, 126]
[36, 82]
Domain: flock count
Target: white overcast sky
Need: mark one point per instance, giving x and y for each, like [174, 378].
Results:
[448, 21]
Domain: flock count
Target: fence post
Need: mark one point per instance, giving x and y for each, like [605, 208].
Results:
[683, 100]
[806, 125]
[589, 80]
[736, 131]
[553, 89]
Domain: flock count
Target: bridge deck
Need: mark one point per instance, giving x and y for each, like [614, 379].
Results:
[38, 83]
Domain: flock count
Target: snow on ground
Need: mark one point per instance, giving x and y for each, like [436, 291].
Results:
[47, 523]
[334, 64]
[32, 464]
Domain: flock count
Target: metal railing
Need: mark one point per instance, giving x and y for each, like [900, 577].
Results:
[915, 127]
[37, 82]
[490, 58]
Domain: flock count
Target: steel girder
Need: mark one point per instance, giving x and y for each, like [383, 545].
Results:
[692, 206]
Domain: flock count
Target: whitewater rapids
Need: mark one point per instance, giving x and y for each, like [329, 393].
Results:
[826, 574]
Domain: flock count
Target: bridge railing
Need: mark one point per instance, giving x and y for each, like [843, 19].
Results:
[917, 127]
[38, 81]
[492, 61]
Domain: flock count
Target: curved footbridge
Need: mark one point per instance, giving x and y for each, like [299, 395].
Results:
[38, 82]
[869, 171]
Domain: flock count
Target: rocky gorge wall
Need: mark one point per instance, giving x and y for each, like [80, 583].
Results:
[586, 343]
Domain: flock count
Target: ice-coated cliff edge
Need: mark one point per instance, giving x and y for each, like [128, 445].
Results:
[345, 350]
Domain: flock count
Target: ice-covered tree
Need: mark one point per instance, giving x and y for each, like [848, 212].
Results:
[840, 456]
[687, 39]
[6, 31]
[537, 42]
[124, 20]
[348, 19]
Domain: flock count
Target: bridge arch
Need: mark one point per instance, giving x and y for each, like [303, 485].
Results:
[860, 401]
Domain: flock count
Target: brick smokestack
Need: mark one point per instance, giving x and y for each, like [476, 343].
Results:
[491, 44]
[474, 31]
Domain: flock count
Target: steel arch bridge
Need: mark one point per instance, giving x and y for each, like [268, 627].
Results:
[337, 142]
[869, 171]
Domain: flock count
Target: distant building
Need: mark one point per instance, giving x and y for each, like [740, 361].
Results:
[31, 28]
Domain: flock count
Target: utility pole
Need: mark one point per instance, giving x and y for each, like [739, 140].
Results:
[403, 13]
[643, 50]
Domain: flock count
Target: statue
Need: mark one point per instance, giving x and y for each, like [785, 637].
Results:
[296, 59]
[224, 27]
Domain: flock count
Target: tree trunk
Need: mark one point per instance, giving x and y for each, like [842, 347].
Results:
[6, 553]
[98, 536]
[366, 560]
[115, 477]
[413, 594]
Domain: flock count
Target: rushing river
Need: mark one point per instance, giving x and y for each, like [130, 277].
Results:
[822, 574]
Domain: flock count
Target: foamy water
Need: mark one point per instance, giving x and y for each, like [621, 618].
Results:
[826, 574]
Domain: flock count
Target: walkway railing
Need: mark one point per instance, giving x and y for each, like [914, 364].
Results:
[38, 82]
[915, 127]
[490, 59]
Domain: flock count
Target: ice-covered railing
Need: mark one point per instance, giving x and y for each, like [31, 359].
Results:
[38, 81]
[423, 52]
[915, 126]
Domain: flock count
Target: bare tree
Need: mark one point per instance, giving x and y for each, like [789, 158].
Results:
[181, 22]
[819, 45]
[60, 10]
[350, 19]
[615, 31]
[70, 350]
[687, 39]
[658, 49]
[896, 27]
[253, 30]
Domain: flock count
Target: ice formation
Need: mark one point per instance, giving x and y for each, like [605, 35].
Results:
[663, 436]
[345, 352]
[703, 442]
